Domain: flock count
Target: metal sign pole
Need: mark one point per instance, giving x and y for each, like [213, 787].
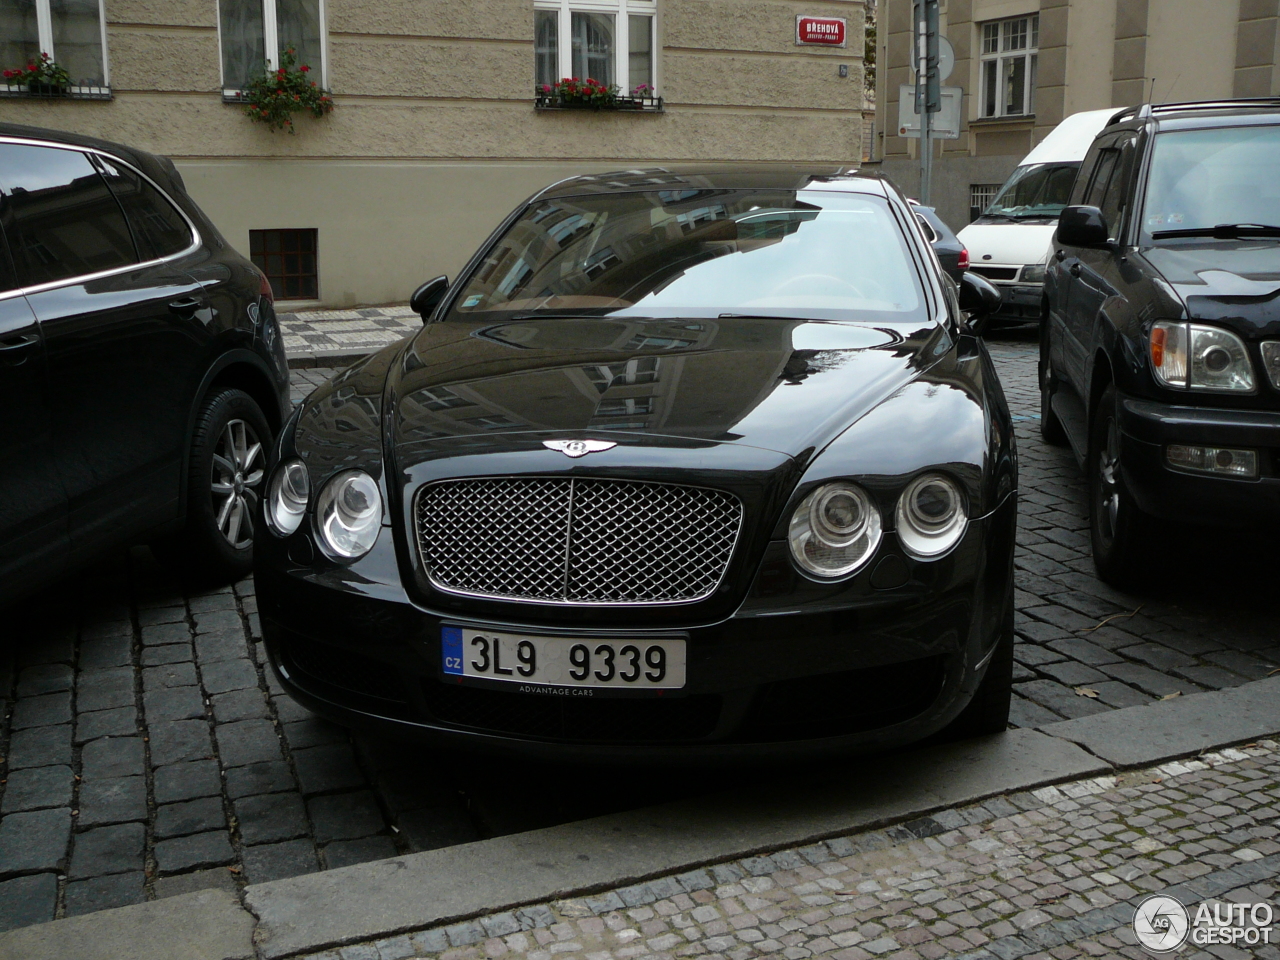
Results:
[928, 87]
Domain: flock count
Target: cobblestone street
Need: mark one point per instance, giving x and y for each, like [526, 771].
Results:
[1048, 874]
[147, 751]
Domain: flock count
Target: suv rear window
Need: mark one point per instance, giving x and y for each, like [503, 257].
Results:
[1202, 178]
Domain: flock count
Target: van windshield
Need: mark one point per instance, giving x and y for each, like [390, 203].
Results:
[1035, 191]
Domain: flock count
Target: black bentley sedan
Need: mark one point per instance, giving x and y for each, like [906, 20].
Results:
[142, 373]
[687, 464]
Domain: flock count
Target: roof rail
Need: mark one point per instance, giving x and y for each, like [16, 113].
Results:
[1146, 110]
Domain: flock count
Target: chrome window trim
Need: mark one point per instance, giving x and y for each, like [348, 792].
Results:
[452, 591]
[196, 239]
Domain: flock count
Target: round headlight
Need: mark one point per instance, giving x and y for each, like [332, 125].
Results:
[349, 515]
[287, 496]
[834, 530]
[931, 516]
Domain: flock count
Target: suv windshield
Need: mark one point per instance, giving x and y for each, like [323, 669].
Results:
[699, 253]
[1201, 179]
[1034, 191]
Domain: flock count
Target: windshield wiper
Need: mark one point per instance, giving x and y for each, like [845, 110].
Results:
[1222, 231]
[999, 216]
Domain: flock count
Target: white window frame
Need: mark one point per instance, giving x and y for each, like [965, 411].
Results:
[996, 58]
[622, 10]
[44, 33]
[271, 43]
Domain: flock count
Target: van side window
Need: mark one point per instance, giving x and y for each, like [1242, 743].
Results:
[159, 229]
[61, 219]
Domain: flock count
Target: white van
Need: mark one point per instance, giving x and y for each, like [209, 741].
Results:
[1009, 241]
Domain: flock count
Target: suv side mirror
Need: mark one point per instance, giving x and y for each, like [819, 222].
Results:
[975, 212]
[978, 296]
[1082, 227]
[428, 296]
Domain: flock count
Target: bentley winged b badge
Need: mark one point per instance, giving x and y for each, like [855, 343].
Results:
[578, 448]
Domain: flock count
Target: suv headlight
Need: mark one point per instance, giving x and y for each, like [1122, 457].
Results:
[287, 496]
[834, 530]
[931, 516]
[349, 515]
[1197, 357]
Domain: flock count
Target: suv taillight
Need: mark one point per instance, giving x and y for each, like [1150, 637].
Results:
[264, 287]
[963, 262]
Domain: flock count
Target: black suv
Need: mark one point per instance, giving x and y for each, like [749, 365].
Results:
[1160, 354]
[142, 372]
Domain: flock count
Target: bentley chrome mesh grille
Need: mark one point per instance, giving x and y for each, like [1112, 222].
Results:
[579, 540]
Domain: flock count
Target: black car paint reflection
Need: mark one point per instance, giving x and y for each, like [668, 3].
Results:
[764, 407]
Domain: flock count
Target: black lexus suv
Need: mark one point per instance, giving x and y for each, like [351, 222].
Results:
[1160, 354]
[142, 372]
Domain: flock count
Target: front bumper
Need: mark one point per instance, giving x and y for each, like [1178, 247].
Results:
[1147, 428]
[1019, 303]
[796, 670]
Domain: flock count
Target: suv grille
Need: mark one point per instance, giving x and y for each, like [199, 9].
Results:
[579, 540]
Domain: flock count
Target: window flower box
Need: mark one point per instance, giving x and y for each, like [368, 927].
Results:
[574, 94]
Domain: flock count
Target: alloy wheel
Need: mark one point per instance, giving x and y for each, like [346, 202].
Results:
[237, 472]
[1109, 481]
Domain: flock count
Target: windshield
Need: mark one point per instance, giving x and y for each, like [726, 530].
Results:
[699, 254]
[1036, 190]
[1202, 178]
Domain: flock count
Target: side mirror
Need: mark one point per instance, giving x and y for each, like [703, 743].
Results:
[975, 212]
[1082, 227]
[979, 298]
[428, 296]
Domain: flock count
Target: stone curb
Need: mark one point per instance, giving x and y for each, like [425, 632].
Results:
[386, 897]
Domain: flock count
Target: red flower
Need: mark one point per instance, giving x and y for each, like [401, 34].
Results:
[304, 68]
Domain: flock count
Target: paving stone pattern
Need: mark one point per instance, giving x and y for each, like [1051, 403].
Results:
[146, 750]
[1049, 873]
[312, 335]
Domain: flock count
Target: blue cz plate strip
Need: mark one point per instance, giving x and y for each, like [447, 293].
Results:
[451, 649]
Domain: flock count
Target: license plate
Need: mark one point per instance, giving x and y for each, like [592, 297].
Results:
[540, 662]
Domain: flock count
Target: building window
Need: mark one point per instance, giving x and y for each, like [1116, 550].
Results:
[288, 258]
[981, 194]
[71, 32]
[1009, 49]
[611, 41]
[253, 32]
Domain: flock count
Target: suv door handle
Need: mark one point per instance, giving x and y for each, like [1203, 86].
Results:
[1075, 269]
[185, 307]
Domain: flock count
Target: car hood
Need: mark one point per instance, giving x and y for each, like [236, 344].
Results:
[788, 386]
[1007, 243]
[1232, 282]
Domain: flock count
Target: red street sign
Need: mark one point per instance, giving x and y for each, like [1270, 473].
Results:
[826, 31]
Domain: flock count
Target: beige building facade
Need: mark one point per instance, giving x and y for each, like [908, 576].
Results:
[435, 134]
[1024, 65]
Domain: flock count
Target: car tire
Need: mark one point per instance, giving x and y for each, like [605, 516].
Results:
[1120, 531]
[1052, 431]
[226, 475]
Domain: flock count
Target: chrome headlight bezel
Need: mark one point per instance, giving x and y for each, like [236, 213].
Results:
[931, 516]
[348, 515]
[834, 531]
[1196, 356]
[288, 496]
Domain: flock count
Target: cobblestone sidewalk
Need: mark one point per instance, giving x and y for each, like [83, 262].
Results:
[312, 335]
[1050, 874]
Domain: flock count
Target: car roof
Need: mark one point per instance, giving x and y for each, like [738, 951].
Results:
[1199, 113]
[700, 178]
[1069, 141]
